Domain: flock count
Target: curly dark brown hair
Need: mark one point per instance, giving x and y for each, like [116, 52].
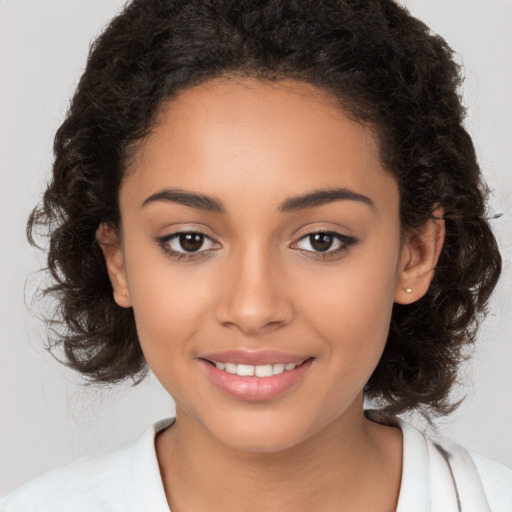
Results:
[386, 69]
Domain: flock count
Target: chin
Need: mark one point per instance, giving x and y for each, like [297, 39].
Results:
[260, 432]
[261, 442]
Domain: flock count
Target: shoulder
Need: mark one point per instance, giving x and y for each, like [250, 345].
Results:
[114, 480]
[476, 479]
[87, 484]
[440, 476]
[497, 481]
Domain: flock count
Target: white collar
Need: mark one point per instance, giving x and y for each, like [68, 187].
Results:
[434, 479]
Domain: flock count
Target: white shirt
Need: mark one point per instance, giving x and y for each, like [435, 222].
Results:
[127, 479]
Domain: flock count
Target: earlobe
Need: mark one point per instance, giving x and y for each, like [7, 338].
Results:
[110, 243]
[419, 256]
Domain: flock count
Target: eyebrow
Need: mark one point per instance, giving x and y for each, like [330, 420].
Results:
[321, 197]
[292, 204]
[191, 199]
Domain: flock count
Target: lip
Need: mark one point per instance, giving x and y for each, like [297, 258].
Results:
[255, 388]
[260, 357]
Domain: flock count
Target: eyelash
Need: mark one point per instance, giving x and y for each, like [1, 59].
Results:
[164, 241]
[345, 243]
[328, 255]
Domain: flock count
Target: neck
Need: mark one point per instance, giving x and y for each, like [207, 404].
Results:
[352, 464]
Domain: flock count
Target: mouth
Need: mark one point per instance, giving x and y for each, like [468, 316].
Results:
[255, 382]
[249, 370]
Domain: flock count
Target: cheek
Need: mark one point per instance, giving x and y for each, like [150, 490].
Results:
[351, 306]
[169, 303]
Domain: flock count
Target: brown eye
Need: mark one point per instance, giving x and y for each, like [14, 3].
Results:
[191, 242]
[321, 241]
[324, 245]
[187, 244]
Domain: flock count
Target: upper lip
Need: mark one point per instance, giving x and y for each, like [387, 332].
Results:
[260, 357]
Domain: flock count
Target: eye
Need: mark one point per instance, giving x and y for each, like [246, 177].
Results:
[324, 244]
[187, 244]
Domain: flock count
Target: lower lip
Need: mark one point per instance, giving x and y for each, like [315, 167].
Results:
[256, 388]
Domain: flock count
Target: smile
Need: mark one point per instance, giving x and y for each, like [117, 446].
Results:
[266, 379]
[249, 370]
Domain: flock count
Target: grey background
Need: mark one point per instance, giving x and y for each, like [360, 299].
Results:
[46, 418]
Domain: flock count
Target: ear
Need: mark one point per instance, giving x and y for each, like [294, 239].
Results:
[110, 244]
[420, 252]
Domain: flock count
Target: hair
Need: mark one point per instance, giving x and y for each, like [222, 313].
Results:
[384, 67]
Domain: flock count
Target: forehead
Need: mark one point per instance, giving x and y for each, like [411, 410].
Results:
[282, 137]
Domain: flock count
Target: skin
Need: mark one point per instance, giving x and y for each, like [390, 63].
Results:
[260, 284]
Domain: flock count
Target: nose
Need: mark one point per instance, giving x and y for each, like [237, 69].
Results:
[253, 296]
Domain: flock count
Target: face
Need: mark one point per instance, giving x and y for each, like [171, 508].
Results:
[261, 251]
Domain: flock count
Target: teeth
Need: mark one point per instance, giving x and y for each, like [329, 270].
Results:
[245, 370]
[230, 367]
[265, 370]
[277, 369]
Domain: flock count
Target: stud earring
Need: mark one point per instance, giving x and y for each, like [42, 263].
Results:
[408, 290]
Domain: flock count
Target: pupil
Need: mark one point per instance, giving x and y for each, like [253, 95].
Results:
[321, 241]
[191, 241]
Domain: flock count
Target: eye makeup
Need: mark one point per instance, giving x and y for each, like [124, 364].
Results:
[189, 245]
[322, 243]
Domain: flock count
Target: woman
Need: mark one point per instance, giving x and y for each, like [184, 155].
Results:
[273, 205]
